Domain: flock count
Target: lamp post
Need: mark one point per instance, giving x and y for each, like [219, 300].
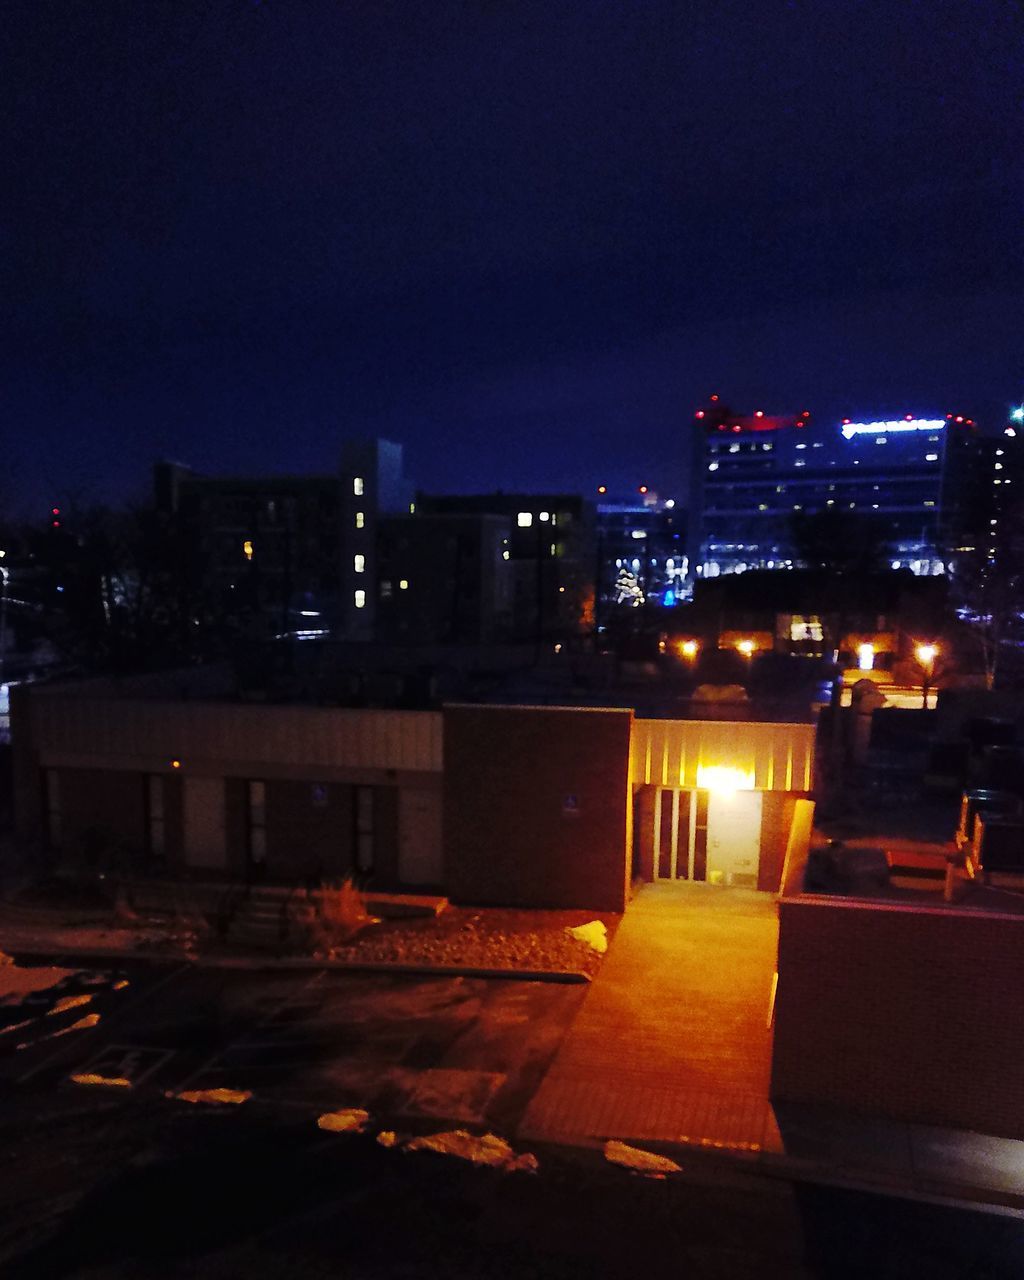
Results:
[926, 655]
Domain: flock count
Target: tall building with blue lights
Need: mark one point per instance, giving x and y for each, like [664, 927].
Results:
[927, 480]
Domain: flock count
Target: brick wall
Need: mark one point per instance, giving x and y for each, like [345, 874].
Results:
[537, 806]
[917, 1014]
[102, 811]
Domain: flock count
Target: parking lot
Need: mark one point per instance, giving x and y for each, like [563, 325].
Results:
[406, 1048]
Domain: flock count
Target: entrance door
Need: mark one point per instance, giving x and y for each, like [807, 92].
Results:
[419, 836]
[734, 837]
[204, 823]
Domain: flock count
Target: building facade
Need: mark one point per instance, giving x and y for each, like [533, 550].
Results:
[493, 805]
[925, 480]
[641, 552]
[550, 553]
[287, 556]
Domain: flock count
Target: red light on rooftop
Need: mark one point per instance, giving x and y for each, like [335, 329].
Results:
[759, 413]
[806, 413]
[714, 399]
[643, 488]
[846, 422]
[54, 524]
[700, 413]
[910, 418]
[736, 426]
[55, 511]
[970, 422]
[959, 419]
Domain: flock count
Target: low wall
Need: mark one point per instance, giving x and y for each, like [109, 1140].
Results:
[912, 1013]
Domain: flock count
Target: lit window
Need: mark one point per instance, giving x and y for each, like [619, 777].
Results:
[524, 519]
[712, 466]
[412, 508]
[762, 506]
[929, 503]
[360, 599]
[999, 453]
[934, 457]
[801, 445]
[247, 549]
[360, 519]
[998, 467]
[403, 584]
[545, 516]
[881, 440]
[504, 555]
[800, 462]
[357, 486]
[734, 448]
[359, 563]
[831, 502]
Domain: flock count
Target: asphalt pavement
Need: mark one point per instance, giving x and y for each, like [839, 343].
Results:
[112, 1182]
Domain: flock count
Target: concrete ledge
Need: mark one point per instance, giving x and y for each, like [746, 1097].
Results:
[105, 954]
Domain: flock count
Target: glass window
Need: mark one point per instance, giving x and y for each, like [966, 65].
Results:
[357, 486]
[524, 519]
[360, 599]
[360, 519]
[359, 563]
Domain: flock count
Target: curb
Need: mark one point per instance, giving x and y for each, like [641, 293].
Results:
[798, 1169]
[298, 963]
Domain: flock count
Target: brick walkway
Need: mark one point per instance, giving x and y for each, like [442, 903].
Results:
[672, 1042]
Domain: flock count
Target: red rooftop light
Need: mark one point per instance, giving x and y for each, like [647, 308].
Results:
[959, 419]
[736, 426]
[700, 413]
[759, 413]
[714, 398]
[910, 418]
[643, 488]
[846, 422]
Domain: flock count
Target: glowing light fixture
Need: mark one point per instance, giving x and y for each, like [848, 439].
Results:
[1018, 414]
[689, 649]
[175, 764]
[724, 778]
[746, 647]
[247, 549]
[851, 429]
[524, 519]
[866, 657]
[357, 486]
[926, 654]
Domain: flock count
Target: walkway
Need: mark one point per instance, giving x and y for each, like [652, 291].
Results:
[672, 1042]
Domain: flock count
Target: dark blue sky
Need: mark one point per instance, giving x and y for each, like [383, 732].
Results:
[525, 239]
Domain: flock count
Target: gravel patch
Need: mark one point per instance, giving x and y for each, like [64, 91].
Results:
[484, 938]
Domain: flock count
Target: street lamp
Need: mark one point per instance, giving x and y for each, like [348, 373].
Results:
[689, 649]
[746, 647]
[926, 655]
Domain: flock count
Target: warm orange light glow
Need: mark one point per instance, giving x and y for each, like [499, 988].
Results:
[175, 764]
[247, 549]
[724, 778]
[926, 654]
[746, 647]
[689, 648]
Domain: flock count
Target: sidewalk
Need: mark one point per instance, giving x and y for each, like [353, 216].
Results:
[671, 1050]
[672, 1042]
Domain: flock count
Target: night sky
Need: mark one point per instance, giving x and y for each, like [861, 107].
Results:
[524, 239]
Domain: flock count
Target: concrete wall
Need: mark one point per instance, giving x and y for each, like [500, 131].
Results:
[537, 806]
[913, 1013]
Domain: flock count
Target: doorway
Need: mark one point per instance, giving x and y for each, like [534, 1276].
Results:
[703, 835]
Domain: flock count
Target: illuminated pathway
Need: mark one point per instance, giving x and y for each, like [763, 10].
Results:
[672, 1041]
